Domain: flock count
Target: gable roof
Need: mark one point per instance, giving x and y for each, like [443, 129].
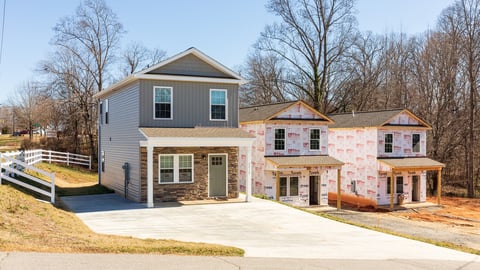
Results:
[262, 113]
[372, 119]
[230, 78]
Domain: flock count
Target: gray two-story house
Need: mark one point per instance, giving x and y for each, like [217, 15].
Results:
[170, 132]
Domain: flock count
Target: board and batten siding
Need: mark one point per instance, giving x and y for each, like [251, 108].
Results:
[190, 65]
[120, 141]
[191, 104]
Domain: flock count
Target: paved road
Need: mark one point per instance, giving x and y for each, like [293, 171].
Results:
[262, 228]
[52, 261]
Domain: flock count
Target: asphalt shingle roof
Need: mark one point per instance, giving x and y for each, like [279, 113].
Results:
[412, 163]
[286, 161]
[362, 119]
[262, 112]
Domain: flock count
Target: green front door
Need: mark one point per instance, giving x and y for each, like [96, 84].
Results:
[217, 171]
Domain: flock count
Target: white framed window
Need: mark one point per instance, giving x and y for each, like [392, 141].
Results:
[175, 168]
[100, 111]
[218, 104]
[106, 111]
[279, 139]
[162, 102]
[416, 143]
[289, 186]
[314, 139]
[388, 143]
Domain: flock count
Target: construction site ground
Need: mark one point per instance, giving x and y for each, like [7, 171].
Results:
[456, 221]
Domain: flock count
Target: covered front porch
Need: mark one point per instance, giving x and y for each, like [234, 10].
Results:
[187, 163]
[301, 180]
[405, 179]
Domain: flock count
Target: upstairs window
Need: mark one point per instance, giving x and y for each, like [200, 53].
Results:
[279, 143]
[314, 139]
[162, 102]
[388, 143]
[416, 143]
[218, 104]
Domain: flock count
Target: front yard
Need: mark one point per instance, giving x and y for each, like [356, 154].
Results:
[27, 224]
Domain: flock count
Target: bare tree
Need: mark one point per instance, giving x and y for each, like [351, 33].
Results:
[363, 67]
[85, 44]
[92, 35]
[266, 80]
[136, 57]
[312, 37]
[28, 105]
[464, 16]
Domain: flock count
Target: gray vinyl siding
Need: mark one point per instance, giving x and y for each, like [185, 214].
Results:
[191, 104]
[190, 65]
[120, 141]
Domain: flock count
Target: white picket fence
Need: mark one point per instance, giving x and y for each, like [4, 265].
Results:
[14, 163]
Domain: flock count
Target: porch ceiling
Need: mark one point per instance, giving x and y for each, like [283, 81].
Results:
[413, 163]
[303, 161]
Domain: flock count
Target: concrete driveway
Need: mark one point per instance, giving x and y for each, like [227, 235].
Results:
[262, 228]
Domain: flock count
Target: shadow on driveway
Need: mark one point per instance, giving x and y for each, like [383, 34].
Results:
[105, 202]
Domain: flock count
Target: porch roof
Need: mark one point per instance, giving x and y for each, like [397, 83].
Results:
[303, 161]
[413, 163]
[197, 136]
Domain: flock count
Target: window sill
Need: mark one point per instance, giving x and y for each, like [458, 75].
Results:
[175, 183]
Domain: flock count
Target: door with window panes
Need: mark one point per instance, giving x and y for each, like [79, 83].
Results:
[217, 171]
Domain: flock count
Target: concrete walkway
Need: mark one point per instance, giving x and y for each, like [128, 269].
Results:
[262, 228]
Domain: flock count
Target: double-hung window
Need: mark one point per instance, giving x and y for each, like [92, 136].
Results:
[289, 186]
[162, 102]
[314, 139]
[388, 143]
[279, 143]
[399, 184]
[175, 168]
[416, 143]
[106, 111]
[218, 104]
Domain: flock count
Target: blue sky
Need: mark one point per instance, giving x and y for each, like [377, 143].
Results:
[223, 29]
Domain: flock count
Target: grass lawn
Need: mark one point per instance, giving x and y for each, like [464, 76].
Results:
[10, 143]
[28, 224]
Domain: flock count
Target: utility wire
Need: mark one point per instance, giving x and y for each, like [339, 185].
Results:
[3, 29]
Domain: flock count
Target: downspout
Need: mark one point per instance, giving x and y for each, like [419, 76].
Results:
[99, 153]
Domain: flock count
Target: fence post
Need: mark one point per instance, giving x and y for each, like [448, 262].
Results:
[90, 162]
[49, 156]
[52, 196]
[68, 159]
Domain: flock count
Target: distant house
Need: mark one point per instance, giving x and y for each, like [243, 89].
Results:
[384, 154]
[170, 132]
[290, 157]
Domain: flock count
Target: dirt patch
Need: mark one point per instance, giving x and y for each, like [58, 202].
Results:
[456, 221]
[454, 211]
